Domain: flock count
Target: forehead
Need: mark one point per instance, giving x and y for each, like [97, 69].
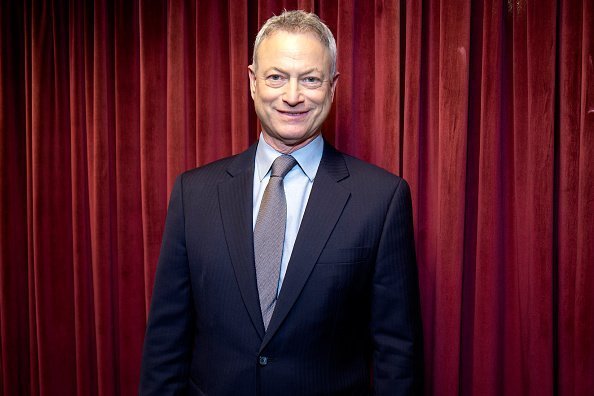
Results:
[282, 48]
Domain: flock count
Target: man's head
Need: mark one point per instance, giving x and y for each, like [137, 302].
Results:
[293, 78]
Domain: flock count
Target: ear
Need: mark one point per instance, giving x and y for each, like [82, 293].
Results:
[252, 77]
[334, 83]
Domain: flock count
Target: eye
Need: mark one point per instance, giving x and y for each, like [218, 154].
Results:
[311, 82]
[275, 80]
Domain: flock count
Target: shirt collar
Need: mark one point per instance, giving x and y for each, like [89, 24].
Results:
[308, 157]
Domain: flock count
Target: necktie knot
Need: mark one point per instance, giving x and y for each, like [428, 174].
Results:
[282, 165]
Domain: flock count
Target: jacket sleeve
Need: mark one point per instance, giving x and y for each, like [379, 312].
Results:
[168, 338]
[395, 314]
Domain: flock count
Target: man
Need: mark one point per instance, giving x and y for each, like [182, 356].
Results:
[300, 280]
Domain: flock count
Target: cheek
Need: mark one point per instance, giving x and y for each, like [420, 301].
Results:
[323, 99]
[266, 96]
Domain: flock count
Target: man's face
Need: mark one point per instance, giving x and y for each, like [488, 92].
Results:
[292, 88]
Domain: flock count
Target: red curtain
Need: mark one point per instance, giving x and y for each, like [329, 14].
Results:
[485, 107]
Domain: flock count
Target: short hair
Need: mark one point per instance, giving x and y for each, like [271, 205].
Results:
[298, 21]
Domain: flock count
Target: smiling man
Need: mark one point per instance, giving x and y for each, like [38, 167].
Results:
[288, 269]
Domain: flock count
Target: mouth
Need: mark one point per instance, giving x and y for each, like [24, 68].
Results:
[293, 113]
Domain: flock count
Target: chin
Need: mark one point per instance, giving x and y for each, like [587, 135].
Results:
[291, 134]
[294, 138]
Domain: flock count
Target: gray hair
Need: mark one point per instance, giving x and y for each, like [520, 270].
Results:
[298, 21]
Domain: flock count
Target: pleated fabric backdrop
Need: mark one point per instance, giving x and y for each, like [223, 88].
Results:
[485, 107]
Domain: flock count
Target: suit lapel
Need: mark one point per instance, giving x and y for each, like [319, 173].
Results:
[325, 204]
[235, 198]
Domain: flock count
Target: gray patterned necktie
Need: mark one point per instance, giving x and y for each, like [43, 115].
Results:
[269, 235]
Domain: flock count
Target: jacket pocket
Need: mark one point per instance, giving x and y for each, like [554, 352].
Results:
[344, 256]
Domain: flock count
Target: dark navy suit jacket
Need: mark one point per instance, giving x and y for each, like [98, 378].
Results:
[347, 318]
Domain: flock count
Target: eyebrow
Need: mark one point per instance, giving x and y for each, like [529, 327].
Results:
[308, 71]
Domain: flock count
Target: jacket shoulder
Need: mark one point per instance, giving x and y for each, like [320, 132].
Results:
[364, 173]
[209, 173]
[220, 170]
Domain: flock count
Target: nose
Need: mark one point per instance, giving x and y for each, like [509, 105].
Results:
[292, 95]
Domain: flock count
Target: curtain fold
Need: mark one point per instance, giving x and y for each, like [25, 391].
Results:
[486, 108]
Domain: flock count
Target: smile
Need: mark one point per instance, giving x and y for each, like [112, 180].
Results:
[293, 114]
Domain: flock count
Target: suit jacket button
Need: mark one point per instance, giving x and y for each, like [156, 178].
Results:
[263, 360]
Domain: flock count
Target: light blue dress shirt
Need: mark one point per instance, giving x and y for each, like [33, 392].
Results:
[297, 184]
